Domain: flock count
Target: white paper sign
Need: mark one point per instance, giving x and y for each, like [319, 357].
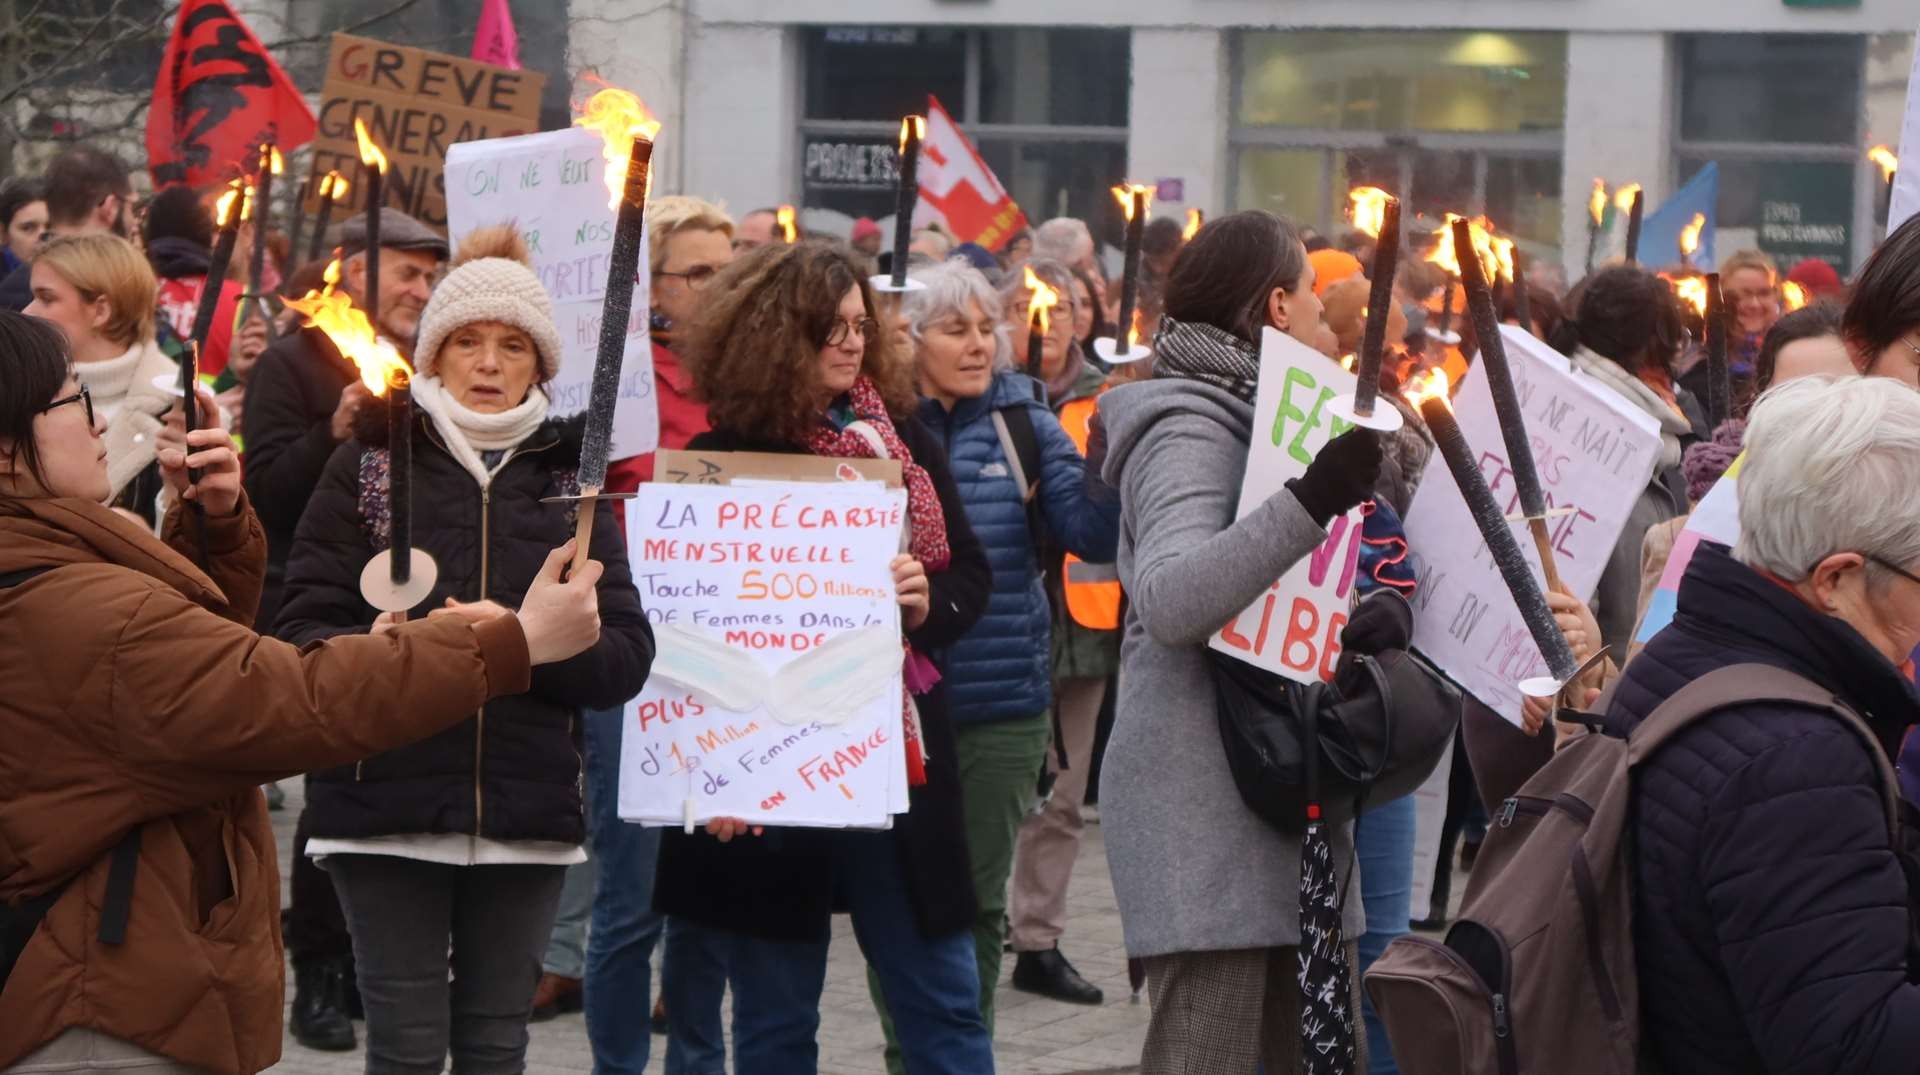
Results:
[776, 694]
[1905, 200]
[1595, 453]
[1294, 628]
[552, 186]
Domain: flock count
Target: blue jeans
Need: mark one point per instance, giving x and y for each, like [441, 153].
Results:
[619, 979]
[1383, 838]
[932, 987]
[693, 978]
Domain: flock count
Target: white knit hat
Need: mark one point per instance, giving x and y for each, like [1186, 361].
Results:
[492, 280]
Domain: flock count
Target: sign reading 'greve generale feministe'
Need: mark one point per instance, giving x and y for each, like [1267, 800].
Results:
[415, 104]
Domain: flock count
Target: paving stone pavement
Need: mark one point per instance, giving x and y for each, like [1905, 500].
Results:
[1034, 1036]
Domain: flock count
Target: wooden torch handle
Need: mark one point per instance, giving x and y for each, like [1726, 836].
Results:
[1544, 544]
[583, 529]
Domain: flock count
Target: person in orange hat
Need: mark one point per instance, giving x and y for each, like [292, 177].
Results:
[1331, 266]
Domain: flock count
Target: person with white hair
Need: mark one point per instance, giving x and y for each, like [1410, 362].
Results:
[1774, 915]
[1066, 240]
[1023, 484]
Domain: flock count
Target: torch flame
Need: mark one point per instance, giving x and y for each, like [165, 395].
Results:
[1623, 198]
[618, 117]
[1368, 209]
[1195, 219]
[914, 125]
[1792, 295]
[274, 163]
[370, 154]
[1428, 384]
[1503, 253]
[1348, 361]
[1690, 235]
[1692, 290]
[1042, 300]
[1597, 202]
[1481, 230]
[223, 210]
[1133, 330]
[333, 187]
[1884, 157]
[333, 313]
[783, 219]
[1125, 192]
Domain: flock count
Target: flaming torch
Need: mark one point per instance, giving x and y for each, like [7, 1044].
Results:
[1889, 164]
[1792, 296]
[1690, 239]
[1631, 199]
[1378, 214]
[1134, 201]
[375, 164]
[1596, 216]
[627, 131]
[333, 190]
[1429, 394]
[399, 577]
[1195, 221]
[1040, 303]
[270, 165]
[1692, 290]
[913, 130]
[783, 218]
[1719, 384]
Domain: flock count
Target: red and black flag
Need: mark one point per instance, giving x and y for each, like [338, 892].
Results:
[218, 97]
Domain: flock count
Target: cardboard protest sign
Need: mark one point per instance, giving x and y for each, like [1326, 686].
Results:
[688, 466]
[776, 694]
[1294, 629]
[416, 105]
[1595, 453]
[552, 187]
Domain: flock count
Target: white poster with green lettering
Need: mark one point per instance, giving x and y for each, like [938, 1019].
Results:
[552, 186]
[776, 689]
[1294, 628]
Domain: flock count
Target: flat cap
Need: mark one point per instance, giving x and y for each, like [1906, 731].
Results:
[398, 231]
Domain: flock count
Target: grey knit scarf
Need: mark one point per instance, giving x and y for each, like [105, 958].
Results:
[1207, 354]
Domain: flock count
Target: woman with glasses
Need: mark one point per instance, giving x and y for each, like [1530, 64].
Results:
[788, 356]
[139, 907]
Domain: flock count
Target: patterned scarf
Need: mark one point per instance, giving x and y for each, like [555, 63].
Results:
[927, 538]
[1207, 354]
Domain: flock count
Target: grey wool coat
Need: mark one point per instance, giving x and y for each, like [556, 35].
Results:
[1193, 868]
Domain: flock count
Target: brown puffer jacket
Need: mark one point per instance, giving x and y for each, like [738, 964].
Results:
[137, 694]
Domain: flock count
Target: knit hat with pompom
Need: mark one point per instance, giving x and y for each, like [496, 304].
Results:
[492, 280]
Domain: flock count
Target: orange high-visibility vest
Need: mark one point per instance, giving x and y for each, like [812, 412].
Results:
[1092, 590]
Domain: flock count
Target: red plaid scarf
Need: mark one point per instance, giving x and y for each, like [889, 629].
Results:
[927, 541]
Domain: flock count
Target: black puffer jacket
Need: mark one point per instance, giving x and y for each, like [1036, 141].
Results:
[512, 772]
[781, 885]
[1773, 920]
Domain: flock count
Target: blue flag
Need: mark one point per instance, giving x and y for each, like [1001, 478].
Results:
[1660, 232]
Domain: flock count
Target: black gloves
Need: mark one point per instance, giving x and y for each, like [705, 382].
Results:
[1341, 476]
[1382, 621]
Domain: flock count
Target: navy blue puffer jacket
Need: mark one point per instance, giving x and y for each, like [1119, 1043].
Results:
[1772, 917]
[1001, 669]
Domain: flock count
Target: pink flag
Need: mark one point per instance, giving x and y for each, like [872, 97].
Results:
[494, 40]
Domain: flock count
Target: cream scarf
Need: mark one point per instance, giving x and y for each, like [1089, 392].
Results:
[124, 394]
[1673, 425]
[468, 432]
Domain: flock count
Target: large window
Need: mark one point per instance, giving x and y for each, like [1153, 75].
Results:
[1450, 121]
[1046, 108]
[1781, 114]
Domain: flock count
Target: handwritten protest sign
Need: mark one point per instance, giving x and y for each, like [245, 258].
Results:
[417, 105]
[1595, 453]
[1294, 628]
[550, 186]
[776, 692]
[690, 466]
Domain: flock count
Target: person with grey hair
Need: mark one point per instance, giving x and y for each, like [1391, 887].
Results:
[1023, 484]
[1066, 240]
[1774, 911]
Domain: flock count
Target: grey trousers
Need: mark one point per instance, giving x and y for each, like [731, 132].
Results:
[1223, 1011]
[405, 915]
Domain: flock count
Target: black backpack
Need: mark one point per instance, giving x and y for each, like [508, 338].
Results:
[19, 924]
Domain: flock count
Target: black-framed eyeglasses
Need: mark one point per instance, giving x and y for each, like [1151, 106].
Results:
[867, 327]
[82, 397]
[697, 277]
[1872, 559]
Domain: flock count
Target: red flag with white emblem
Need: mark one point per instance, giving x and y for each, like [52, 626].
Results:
[959, 187]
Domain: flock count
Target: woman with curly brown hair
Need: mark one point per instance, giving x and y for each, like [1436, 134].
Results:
[789, 357]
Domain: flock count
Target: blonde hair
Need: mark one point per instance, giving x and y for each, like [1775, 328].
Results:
[1750, 259]
[108, 266]
[676, 213]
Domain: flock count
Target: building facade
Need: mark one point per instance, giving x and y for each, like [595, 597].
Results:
[1507, 107]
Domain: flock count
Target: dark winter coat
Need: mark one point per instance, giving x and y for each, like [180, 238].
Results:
[287, 427]
[780, 885]
[1001, 669]
[1772, 916]
[513, 771]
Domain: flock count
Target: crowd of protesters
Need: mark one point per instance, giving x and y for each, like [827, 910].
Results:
[459, 868]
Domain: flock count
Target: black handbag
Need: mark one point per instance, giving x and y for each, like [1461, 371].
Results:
[1375, 733]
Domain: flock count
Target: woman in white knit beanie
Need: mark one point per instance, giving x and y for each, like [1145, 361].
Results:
[449, 855]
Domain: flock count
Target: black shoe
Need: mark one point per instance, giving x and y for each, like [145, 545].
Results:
[1048, 974]
[319, 1018]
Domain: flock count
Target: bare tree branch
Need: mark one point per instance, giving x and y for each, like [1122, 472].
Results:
[352, 28]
